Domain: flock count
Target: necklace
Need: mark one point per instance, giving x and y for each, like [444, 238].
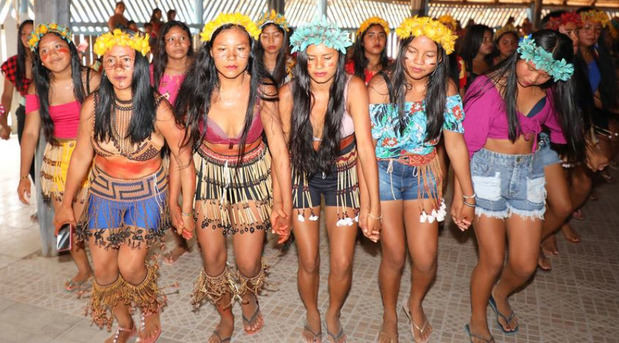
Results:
[123, 105]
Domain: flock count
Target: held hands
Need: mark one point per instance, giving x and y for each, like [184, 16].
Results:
[463, 211]
[63, 215]
[183, 222]
[370, 224]
[281, 222]
[23, 190]
[5, 132]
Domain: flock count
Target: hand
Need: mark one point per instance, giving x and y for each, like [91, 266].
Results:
[596, 159]
[62, 216]
[23, 190]
[176, 217]
[189, 226]
[363, 217]
[373, 227]
[461, 214]
[280, 222]
[5, 132]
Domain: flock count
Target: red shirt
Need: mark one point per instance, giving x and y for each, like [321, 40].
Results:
[9, 69]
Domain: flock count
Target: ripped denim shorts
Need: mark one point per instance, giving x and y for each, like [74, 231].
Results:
[508, 184]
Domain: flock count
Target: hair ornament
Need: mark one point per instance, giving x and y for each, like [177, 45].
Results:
[563, 19]
[320, 31]
[595, 16]
[273, 17]
[118, 37]
[373, 21]
[505, 29]
[426, 26]
[448, 21]
[44, 29]
[229, 18]
[529, 51]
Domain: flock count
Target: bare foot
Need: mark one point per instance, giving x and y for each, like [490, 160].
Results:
[549, 245]
[570, 234]
[151, 327]
[252, 318]
[543, 262]
[389, 331]
[172, 256]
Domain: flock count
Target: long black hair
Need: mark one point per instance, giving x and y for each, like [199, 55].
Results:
[279, 73]
[142, 122]
[471, 43]
[436, 90]
[160, 60]
[358, 54]
[194, 98]
[564, 97]
[305, 159]
[42, 80]
[21, 56]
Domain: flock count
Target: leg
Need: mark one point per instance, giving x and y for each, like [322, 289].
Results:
[422, 241]
[214, 281]
[490, 234]
[179, 249]
[341, 251]
[393, 251]
[580, 188]
[307, 239]
[524, 235]
[559, 208]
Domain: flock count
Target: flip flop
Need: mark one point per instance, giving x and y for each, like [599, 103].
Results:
[508, 319]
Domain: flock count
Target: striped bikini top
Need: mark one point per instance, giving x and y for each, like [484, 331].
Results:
[119, 144]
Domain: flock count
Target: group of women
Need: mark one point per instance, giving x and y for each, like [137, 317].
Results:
[240, 137]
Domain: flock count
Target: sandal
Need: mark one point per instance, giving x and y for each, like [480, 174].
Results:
[218, 337]
[508, 319]
[249, 322]
[116, 336]
[71, 285]
[154, 337]
[472, 335]
[316, 337]
[336, 338]
[414, 326]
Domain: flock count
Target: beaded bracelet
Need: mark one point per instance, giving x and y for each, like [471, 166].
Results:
[469, 204]
[470, 196]
[379, 218]
[186, 214]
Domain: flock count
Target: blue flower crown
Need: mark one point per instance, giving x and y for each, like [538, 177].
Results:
[529, 51]
[320, 32]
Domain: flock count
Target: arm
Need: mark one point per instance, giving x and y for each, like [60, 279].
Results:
[478, 110]
[181, 153]
[175, 188]
[269, 114]
[7, 98]
[367, 157]
[29, 140]
[81, 159]
[285, 112]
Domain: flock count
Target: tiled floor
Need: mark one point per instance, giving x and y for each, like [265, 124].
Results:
[577, 302]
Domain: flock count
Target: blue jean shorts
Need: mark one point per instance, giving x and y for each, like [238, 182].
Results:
[398, 181]
[508, 184]
[544, 154]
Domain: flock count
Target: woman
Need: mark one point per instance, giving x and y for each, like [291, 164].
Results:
[53, 103]
[167, 74]
[123, 127]
[477, 48]
[507, 177]
[272, 52]
[406, 132]
[506, 42]
[327, 128]
[228, 102]
[369, 55]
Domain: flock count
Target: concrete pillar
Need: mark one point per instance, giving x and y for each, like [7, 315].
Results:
[52, 11]
[537, 14]
[198, 7]
[321, 8]
[277, 5]
[417, 7]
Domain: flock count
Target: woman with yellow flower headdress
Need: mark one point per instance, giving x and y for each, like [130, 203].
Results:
[123, 127]
[227, 102]
[411, 108]
[272, 52]
[369, 55]
[53, 103]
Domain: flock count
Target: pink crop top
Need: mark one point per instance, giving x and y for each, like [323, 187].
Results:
[66, 117]
[215, 135]
[348, 127]
[486, 118]
[169, 85]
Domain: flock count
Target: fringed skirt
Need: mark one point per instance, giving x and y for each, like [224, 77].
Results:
[56, 158]
[126, 211]
[340, 188]
[231, 196]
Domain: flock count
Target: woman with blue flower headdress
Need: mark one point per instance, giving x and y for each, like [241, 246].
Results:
[328, 132]
[506, 111]
[412, 106]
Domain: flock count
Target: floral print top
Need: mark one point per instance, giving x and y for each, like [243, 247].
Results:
[392, 144]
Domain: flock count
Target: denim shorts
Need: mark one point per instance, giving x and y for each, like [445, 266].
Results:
[544, 154]
[398, 181]
[508, 184]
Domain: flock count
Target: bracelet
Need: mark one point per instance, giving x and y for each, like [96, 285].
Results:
[469, 204]
[379, 218]
[23, 177]
[469, 196]
[2, 110]
[186, 214]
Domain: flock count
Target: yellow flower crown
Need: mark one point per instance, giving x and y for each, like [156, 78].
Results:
[273, 18]
[595, 16]
[448, 21]
[117, 37]
[371, 21]
[505, 29]
[229, 18]
[426, 26]
[43, 29]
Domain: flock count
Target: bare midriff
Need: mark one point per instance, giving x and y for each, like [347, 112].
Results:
[123, 168]
[521, 146]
